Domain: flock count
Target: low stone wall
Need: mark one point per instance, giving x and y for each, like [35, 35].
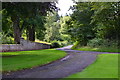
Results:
[25, 45]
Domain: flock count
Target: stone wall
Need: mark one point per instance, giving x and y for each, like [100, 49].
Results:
[25, 45]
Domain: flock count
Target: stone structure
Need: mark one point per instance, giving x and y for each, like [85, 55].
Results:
[25, 45]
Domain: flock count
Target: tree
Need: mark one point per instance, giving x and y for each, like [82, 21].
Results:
[63, 29]
[52, 27]
[107, 17]
[95, 20]
[22, 11]
[79, 26]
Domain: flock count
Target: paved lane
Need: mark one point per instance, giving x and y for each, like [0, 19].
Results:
[74, 62]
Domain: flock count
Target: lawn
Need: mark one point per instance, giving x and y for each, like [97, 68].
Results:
[36, 40]
[106, 66]
[13, 61]
[99, 49]
[41, 41]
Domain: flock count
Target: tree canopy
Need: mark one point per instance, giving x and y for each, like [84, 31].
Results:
[94, 20]
[26, 15]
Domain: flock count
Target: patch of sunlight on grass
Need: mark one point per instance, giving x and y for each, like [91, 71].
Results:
[31, 58]
[42, 42]
[98, 49]
[95, 48]
[106, 66]
[36, 40]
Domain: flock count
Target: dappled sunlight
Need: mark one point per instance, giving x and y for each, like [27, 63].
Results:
[28, 52]
[39, 33]
[41, 41]
[95, 48]
[106, 66]
[32, 58]
[99, 49]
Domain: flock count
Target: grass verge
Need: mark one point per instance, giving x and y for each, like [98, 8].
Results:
[12, 61]
[106, 66]
[99, 49]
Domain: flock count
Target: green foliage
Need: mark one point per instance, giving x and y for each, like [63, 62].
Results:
[55, 45]
[18, 60]
[56, 29]
[52, 27]
[97, 42]
[63, 20]
[39, 22]
[6, 24]
[65, 43]
[75, 45]
[6, 39]
[24, 16]
[79, 26]
[98, 49]
[95, 24]
[106, 17]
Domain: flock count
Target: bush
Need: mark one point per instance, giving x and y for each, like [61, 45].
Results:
[55, 45]
[64, 43]
[5, 39]
[97, 42]
[77, 44]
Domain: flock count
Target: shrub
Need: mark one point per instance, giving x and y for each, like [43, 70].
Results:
[76, 45]
[97, 42]
[64, 43]
[5, 39]
[55, 45]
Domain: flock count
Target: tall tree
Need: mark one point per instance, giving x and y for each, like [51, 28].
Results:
[107, 18]
[52, 27]
[19, 10]
[79, 26]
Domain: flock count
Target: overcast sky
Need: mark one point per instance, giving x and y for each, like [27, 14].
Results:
[64, 6]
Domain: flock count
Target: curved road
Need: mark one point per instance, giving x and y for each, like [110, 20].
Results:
[76, 61]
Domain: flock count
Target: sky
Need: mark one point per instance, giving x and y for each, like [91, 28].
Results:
[64, 6]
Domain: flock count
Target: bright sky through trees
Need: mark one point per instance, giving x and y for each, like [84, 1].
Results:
[64, 6]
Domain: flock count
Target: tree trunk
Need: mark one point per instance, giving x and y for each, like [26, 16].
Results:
[31, 33]
[16, 29]
[27, 32]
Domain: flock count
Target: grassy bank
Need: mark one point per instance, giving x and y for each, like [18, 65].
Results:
[99, 49]
[106, 66]
[13, 61]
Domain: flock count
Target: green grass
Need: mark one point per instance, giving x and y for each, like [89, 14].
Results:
[41, 41]
[36, 40]
[106, 66]
[99, 49]
[28, 59]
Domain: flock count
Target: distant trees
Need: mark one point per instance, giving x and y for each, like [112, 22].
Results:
[89, 21]
[106, 18]
[79, 26]
[94, 20]
[52, 26]
[56, 29]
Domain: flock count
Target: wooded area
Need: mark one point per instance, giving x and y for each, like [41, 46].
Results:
[85, 43]
[91, 24]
